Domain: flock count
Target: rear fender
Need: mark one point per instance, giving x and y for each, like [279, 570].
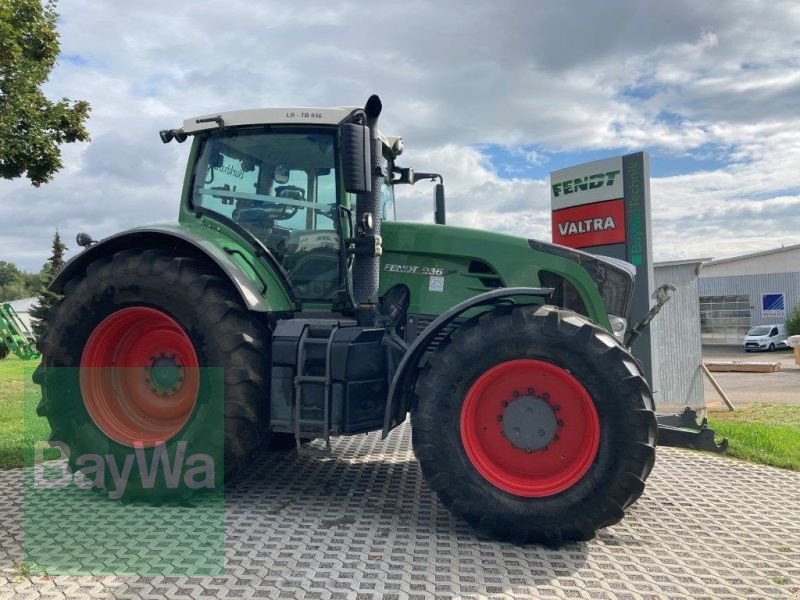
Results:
[398, 402]
[183, 242]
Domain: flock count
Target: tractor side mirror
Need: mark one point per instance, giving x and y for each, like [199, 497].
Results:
[356, 159]
[438, 204]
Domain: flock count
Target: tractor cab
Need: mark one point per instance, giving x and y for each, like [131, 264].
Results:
[279, 178]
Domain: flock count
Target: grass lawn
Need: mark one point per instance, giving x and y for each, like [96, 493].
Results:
[18, 418]
[763, 433]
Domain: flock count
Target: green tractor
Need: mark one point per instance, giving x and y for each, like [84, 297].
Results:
[287, 268]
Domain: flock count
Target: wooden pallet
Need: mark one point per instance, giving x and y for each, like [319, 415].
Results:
[741, 366]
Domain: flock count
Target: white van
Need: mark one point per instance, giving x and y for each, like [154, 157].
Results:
[765, 337]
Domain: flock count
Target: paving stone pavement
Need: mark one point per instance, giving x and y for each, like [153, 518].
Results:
[363, 525]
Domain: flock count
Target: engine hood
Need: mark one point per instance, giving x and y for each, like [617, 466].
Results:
[472, 261]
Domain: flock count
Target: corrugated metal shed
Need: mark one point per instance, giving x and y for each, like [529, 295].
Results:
[753, 286]
[677, 349]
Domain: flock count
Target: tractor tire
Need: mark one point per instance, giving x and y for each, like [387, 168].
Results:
[137, 304]
[4, 351]
[534, 425]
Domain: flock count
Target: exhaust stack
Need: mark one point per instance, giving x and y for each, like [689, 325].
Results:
[366, 264]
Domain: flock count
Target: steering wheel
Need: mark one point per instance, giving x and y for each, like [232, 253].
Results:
[315, 271]
[280, 212]
[290, 192]
[267, 213]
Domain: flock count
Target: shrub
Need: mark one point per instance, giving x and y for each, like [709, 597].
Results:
[793, 322]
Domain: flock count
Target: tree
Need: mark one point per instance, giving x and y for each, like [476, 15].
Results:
[47, 299]
[13, 282]
[16, 284]
[31, 126]
[9, 273]
[793, 322]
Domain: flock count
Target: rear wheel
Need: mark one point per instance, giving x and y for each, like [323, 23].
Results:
[124, 363]
[146, 355]
[534, 425]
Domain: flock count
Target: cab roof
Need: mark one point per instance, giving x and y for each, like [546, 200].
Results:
[280, 116]
[269, 116]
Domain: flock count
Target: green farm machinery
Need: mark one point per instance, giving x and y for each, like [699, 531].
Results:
[288, 269]
[15, 336]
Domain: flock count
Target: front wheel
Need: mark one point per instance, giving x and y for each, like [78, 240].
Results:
[4, 351]
[772, 347]
[534, 425]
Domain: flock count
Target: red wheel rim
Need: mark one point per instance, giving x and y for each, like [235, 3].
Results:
[522, 472]
[139, 377]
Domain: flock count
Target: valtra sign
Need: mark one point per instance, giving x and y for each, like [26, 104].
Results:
[590, 224]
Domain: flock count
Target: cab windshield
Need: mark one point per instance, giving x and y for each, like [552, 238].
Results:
[282, 188]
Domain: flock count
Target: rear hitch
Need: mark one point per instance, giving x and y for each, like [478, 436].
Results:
[681, 430]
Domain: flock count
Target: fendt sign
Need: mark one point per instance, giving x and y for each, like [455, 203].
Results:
[585, 183]
[603, 207]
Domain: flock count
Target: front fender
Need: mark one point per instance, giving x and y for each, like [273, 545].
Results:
[398, 400]
[254, 296]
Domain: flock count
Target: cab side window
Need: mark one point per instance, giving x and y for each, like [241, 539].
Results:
[774, 332]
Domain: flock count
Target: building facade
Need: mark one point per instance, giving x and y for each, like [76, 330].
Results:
[740, 292]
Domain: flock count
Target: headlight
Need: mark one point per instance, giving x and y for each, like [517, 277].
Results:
[618, 327]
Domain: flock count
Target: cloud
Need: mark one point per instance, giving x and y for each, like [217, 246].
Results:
[681, 79]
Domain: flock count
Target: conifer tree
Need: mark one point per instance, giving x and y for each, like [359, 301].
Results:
[47, 299]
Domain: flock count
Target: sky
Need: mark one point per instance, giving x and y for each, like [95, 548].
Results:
[493, 95]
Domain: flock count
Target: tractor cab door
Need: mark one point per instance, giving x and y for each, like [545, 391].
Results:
[281, 187]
